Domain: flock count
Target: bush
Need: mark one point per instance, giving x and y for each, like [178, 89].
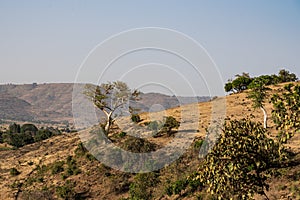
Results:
[122, 134]
[14, 172]
[57, 167]
[44, 134]
[66, 191]
[80, 150]
[176, 187]
[14, 128]
[138, 145]
[143, 184]
[72, 168]
[18, 139]
[29, 128]
[240, 163]
[135, 118]
[169, 123]
[153, 126]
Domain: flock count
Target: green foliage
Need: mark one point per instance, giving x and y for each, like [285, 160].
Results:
[177, 187]
[46, 133]
[110, 98]
[169, 124]
[27, 134]
[239, 84]
[286, 112]
[135, 118]
[29, 128]
[14, 172]
[154, 126]
[14, 128]
[138, 145]
[80, 150]
[18, 139]
[72, 168]
[240, 163]
[198, 143]
[285, 76]
[258, 92]
[67, 191]
[57, 167]
[141, 188]
[122, 134]
[165, 127]
[242, 82]
[228, 87]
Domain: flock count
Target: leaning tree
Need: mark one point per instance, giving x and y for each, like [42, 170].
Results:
[111, 98]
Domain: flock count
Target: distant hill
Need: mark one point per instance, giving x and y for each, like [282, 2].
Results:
[53, 102]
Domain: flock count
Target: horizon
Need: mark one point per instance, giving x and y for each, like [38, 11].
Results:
[50, 41]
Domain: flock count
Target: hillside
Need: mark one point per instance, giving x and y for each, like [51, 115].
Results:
[43, 166]
[53, 102]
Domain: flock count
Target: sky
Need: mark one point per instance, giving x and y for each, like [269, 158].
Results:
[51, 41]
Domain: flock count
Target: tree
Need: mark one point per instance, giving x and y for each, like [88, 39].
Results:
[29, 128]
[169, 124]
[286, 76]
[228, 87]
[239, 84]
[239, 164]
[286, 112]
[14, 128]
[258, 94]
[110, 98]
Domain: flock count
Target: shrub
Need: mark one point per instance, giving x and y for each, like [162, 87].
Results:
[240, 163]
[135, 118]
[80, 150]
[122, 134]
[72, 168]
[14, 172]
[14, 128]
[198, 143]
[66, 191]
[153, 126]
[18, 139]
[57, 167]
[30, 128]
[176, 187]
[44, 134]
[143, 184]
[167, 126]
[138, 145]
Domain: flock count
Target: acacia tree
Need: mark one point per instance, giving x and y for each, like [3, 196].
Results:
[110, 98]
[258, 94]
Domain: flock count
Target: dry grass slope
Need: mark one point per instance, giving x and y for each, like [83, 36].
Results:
[99, 182]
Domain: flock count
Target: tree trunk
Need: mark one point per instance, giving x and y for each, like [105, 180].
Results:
[108, 123]
[265, 116]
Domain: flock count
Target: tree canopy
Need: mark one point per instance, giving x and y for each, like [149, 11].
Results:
[111, 98]
[242, 82]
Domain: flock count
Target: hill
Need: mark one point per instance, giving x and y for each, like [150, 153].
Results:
[53, 102]
[48, 172]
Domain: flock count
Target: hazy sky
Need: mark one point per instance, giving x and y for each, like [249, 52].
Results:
[47, 41]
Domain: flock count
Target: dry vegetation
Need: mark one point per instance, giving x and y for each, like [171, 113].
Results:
[48, 172]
